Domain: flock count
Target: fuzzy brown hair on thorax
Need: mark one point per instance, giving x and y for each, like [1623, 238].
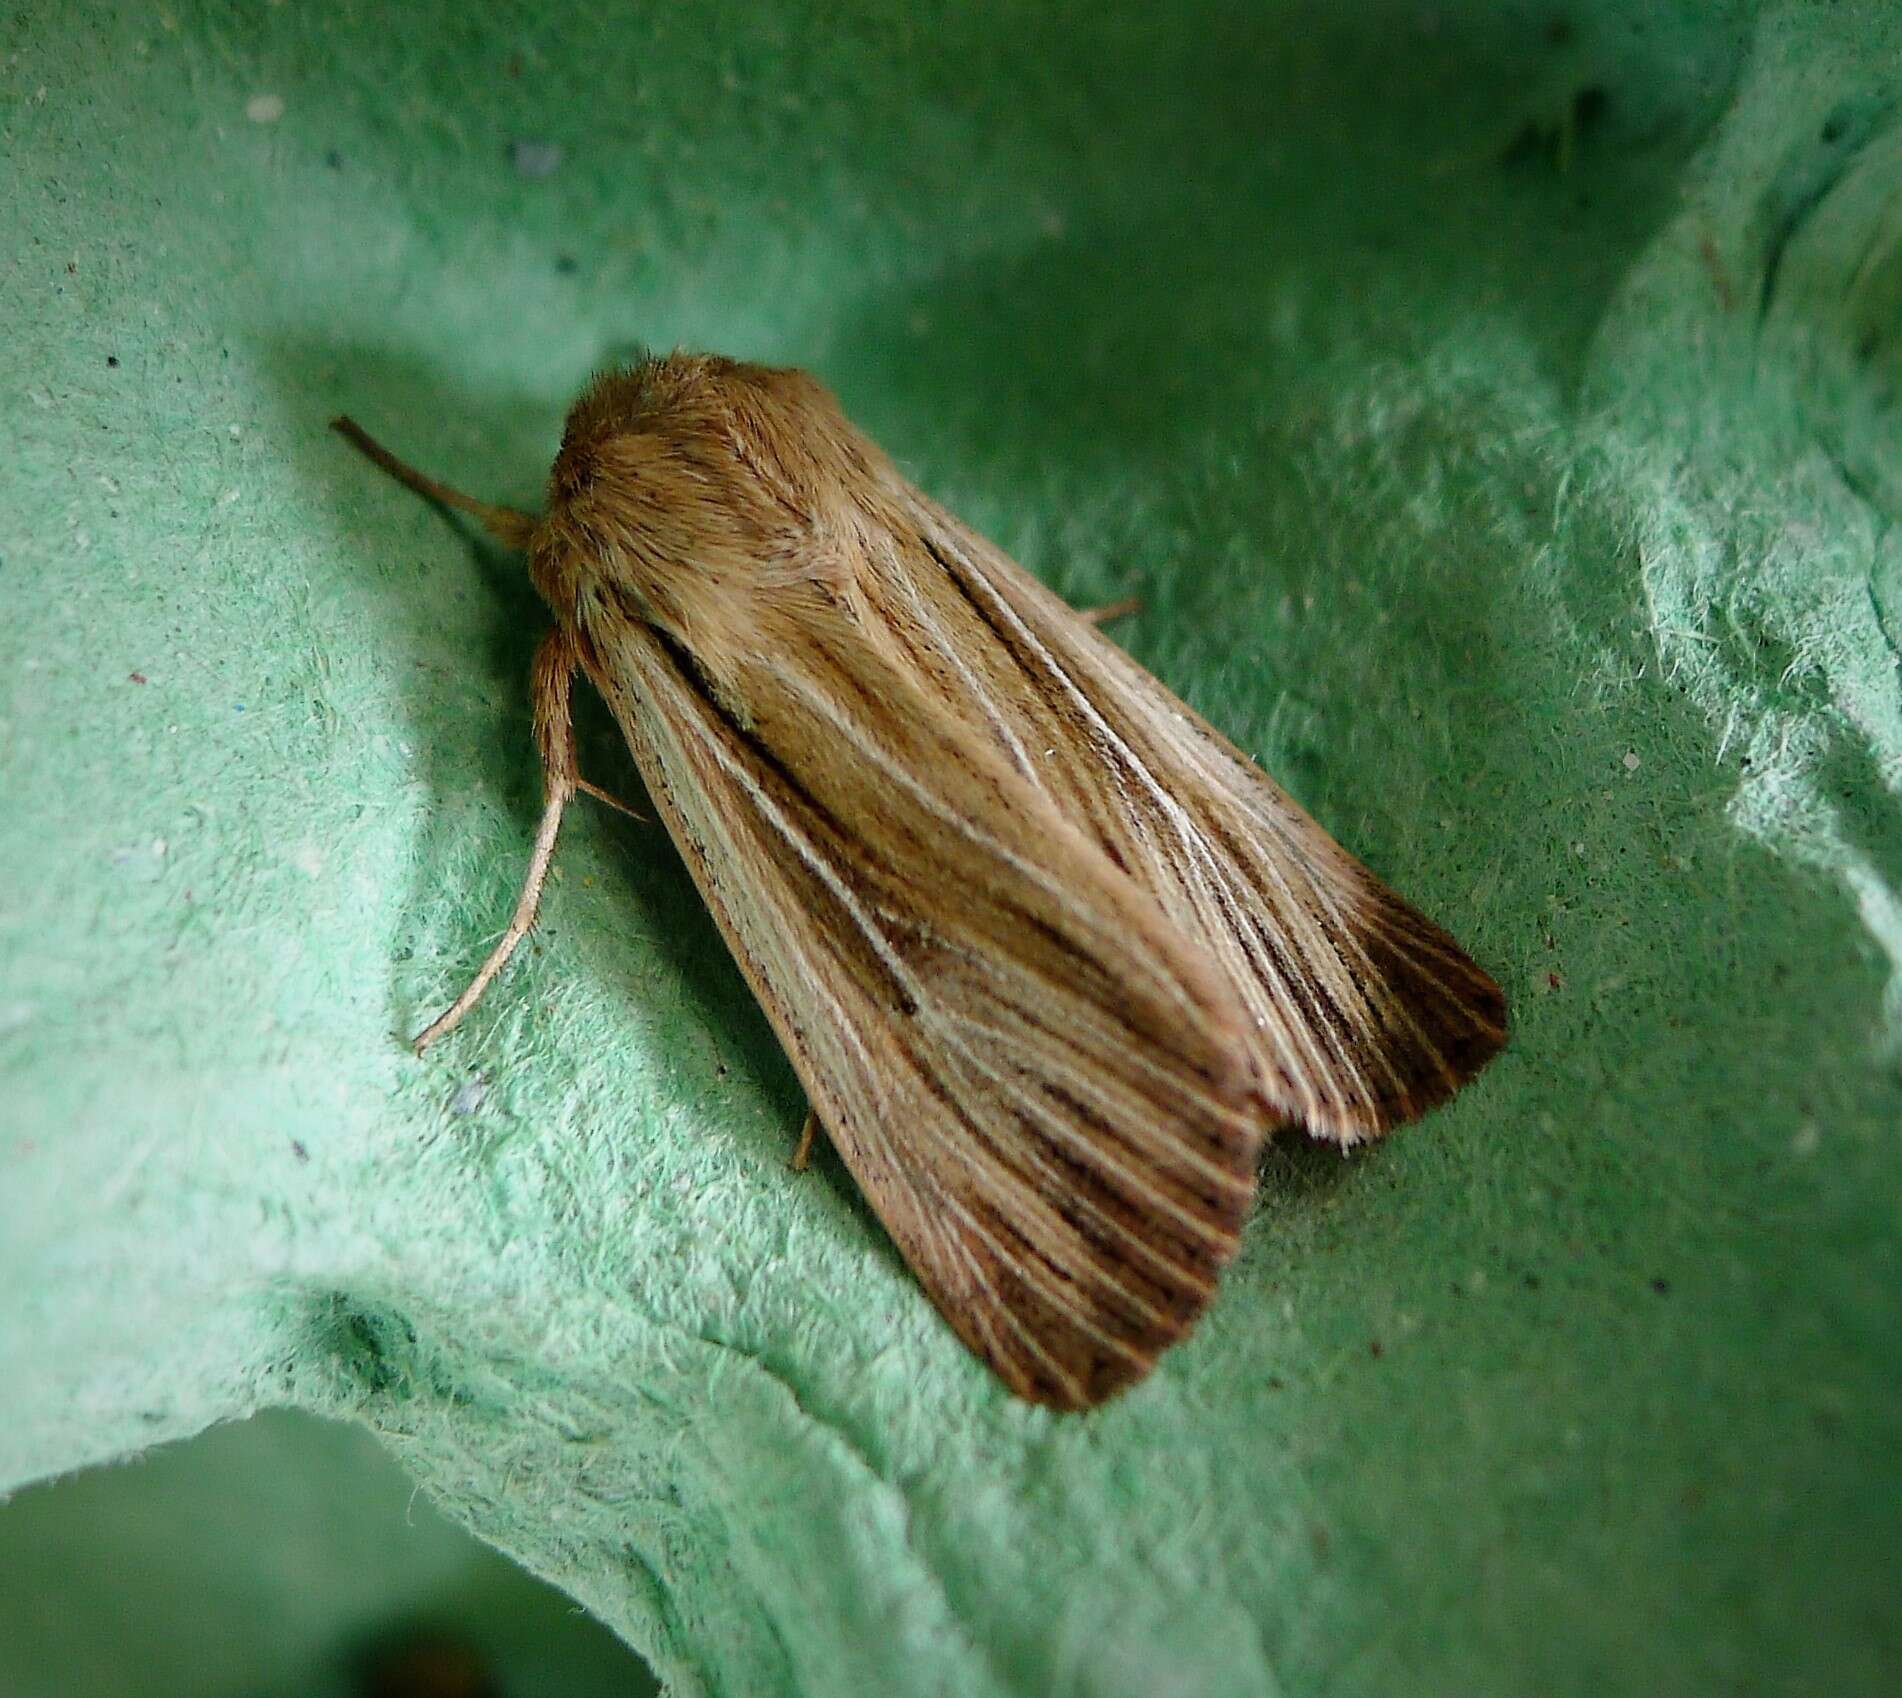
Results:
[699, 493]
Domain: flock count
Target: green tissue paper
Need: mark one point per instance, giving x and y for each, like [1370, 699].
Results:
[1495, 408]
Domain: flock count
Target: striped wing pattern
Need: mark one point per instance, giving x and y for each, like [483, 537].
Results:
[1362, 1013]
[1042, 1091]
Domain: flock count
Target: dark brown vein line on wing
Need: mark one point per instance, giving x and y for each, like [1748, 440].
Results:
[1128, 1206]
[1192, 868]
[996, 1169]
[1138, 1104]
[1162, 984]
[833, 846]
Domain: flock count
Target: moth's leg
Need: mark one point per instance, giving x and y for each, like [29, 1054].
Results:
[612, 801]
[1115, 610]
[549, 690]
[807, 1133]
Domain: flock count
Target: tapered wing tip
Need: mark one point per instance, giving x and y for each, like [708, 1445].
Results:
[1438, 1019]
[1468, 1034]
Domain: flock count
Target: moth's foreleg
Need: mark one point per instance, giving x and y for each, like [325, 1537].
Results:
[1115, 610]
[550, 692]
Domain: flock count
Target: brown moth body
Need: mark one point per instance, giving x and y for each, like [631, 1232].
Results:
[1048, 953]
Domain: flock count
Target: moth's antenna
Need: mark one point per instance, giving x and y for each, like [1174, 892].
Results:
[507, 524]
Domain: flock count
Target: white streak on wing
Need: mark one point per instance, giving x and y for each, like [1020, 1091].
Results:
[1134, 1118]
[850, 728]
[1198, 857]
[922, 1218]
[974, 690]
[1369, 991]
[1216, 1238]
[1032, 1271]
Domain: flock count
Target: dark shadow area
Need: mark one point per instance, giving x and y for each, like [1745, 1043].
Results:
[280, 1557]
[1268, 207]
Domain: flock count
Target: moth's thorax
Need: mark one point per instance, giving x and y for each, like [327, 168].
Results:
[699, 494]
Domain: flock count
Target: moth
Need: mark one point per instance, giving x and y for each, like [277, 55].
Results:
[1049, 954]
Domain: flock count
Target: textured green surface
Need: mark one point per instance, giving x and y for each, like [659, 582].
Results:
[269, 1559]
[1495, 406]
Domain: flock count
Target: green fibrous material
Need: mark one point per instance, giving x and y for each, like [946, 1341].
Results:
[1495, 407]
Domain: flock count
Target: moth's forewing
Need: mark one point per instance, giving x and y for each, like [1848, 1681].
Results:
[1044, 1095]
[1362, 1012]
